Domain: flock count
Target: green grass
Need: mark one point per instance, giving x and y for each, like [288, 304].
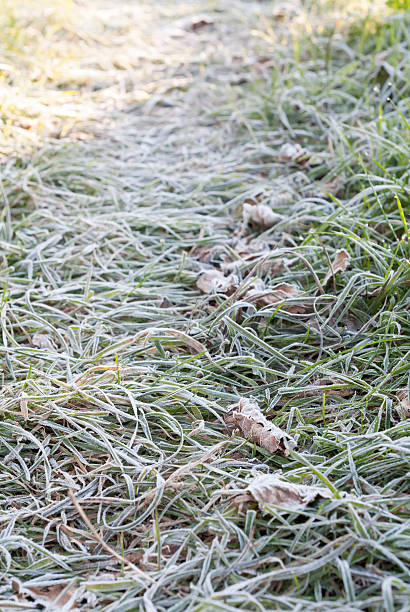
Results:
[111, 208]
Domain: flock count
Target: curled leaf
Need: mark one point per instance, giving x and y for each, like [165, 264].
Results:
[340, 264]
[260, 214]
[252, 423]
[290, 152]
[269, 489]
[214, 281]
[273, 295]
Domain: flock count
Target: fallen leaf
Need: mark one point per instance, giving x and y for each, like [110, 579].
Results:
[269, 489]
[340, 264]
[273, 295]
[214, 281]
[324, 386]
[332, 186]
[290, 152]
[242, 251]
[247, 253]
[53, 595]
[43, 341]
[203, 252]
[199, 24]
[273, 268]
[24, 405]
[404, 402]
[346, 325]
[261, 64]
[252, 423]
[260, 214]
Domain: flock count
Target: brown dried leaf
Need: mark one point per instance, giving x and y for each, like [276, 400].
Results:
[269, 489]
[260, 214]
[332, 186]
[404, 402]
[340, 264]
[24, 405]
[198, 24]
[323, 383]
[247, 253]
[252, 423]
[203, 253]
[346, 324]
[274, 295]
[273, 268]
[52, 595]
[214, 281]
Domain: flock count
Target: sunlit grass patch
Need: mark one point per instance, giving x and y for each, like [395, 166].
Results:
[63, 64]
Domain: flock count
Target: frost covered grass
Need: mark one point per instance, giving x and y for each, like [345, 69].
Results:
[121, 486]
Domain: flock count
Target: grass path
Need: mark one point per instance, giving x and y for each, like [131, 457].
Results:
[140, 143]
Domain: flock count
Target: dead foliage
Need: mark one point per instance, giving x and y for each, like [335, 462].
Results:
[252, 424]
[327, 386]
[260, 214]
[55, 596]
[198, 24]
[270, 489]
[292, 152]
[273, 295]
[340, 264]
[24, 405]
[403, 398]
[214, 281]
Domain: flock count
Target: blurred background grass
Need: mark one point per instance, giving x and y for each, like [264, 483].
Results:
[64, 62]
